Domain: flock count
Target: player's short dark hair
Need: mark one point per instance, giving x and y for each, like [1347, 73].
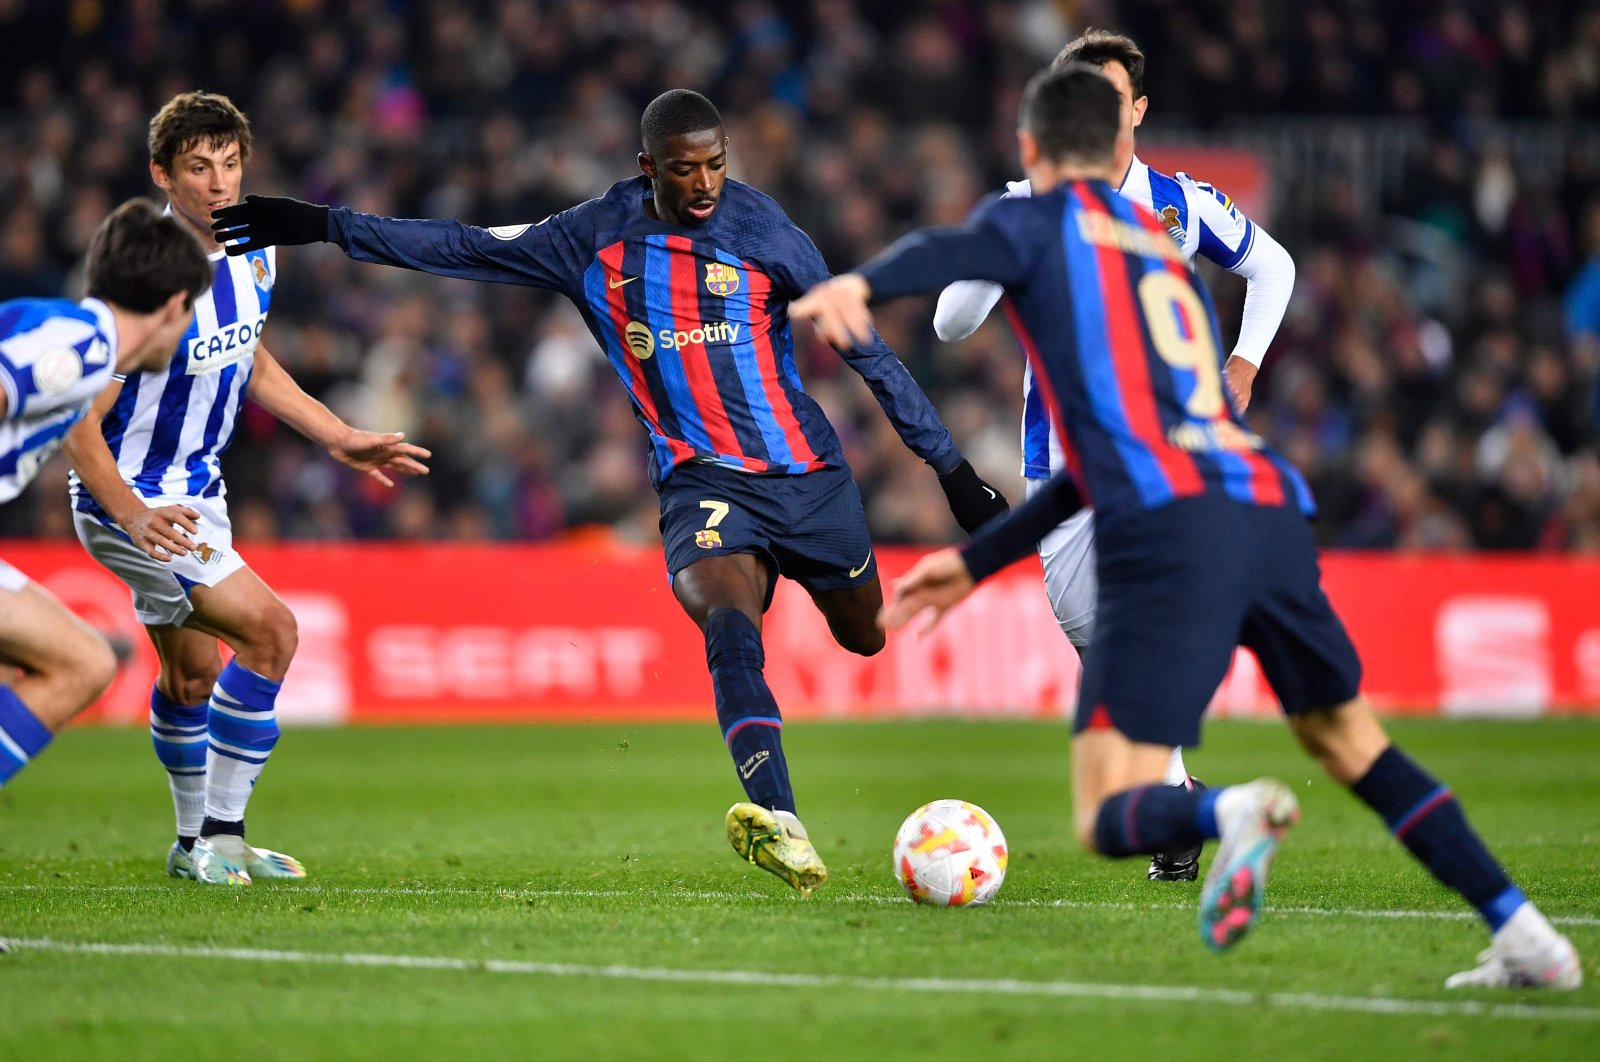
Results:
[1099, 47]
[191, 119]
[672, 113]
[1073, 112]
[139, 257]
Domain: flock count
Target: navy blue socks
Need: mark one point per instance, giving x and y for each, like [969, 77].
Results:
[746, 710]
[1423, 815]
[1155, 818]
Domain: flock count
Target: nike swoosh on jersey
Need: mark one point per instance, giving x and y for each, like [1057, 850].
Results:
[614, 284]
[857, 571]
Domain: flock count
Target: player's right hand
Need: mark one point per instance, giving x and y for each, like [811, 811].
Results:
[268, 221]
[160, 533]
[936, 584]
[838, 308]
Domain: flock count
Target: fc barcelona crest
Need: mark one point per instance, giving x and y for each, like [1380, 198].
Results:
[707, 538]
[721, 279]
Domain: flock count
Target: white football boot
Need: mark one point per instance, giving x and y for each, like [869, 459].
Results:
[226, 860]
[1253, 820]
[1526, 952]
[180, 864]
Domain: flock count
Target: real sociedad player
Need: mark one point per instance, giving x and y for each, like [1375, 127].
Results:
[1204, 222]
[149, 503]
[142, 276]
[684, 278]
[1203, 537]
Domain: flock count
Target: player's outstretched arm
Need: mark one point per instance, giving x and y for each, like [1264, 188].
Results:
[935, 584]
[374, 453]
[838, 307]
[163, 532]
[540, 255]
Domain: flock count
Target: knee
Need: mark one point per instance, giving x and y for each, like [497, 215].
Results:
[84, 676]
[1344, 741]
[276, 638]
[868, 642]
[99, 667]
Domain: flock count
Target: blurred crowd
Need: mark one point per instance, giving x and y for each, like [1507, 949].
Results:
[1435, 375]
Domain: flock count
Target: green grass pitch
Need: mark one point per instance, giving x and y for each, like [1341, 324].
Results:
[556, 892]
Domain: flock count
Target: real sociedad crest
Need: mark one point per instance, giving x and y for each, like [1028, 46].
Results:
[1169, 218]
[721, 279]
[263, 276]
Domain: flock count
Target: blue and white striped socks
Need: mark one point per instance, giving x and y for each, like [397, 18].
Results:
[22, 736]
[178, 732]
[243, 727]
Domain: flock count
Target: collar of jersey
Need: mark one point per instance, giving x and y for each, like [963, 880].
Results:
[1134, 166]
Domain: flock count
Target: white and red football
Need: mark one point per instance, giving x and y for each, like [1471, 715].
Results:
[950, 853]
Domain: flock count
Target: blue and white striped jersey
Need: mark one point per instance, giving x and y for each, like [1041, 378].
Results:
[167, 429]
[1201, 219]
[55, 356]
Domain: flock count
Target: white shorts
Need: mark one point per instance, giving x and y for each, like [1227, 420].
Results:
[1068, 556]
[161, 591]
[10, 578]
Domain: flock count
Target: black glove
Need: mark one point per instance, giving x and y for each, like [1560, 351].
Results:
[972, 501]
[268, 221]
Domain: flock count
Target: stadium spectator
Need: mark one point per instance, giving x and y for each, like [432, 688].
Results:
[1436, 375]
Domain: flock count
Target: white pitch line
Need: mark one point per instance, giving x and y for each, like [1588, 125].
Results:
[758, 978]
[838, 898]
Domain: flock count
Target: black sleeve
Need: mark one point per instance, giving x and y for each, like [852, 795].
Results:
[1004, 542]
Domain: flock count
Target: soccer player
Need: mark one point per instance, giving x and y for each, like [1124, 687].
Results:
[683, 277]
[1204, 222]
[149, 503]
[142, 276]
[1202, 530]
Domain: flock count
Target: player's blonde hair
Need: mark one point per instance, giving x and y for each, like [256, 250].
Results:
[190, 119]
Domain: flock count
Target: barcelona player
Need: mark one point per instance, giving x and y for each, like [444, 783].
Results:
[1205, 223]
[1202, 531]
[143, 273]
[684, 276]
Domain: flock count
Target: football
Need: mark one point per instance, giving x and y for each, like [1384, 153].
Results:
[950, 853]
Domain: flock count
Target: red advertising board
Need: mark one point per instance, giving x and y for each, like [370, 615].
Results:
[456, 633]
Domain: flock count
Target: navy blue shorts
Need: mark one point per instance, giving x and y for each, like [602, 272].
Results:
[1180, 587]
[811, 527]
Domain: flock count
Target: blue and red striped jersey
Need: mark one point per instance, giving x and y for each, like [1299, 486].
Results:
[694, 321]
[1121, 337]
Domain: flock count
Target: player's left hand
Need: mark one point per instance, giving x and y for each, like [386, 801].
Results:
[973, 502]
[838, 308]
[268, 221]
[936, 584]
[1241, 377]
[373, 451]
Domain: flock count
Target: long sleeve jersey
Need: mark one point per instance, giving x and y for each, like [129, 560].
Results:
[1121, 338]
[693, 320]
[1204, 222]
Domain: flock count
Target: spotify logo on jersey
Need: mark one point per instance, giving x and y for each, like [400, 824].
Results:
[639, 340]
